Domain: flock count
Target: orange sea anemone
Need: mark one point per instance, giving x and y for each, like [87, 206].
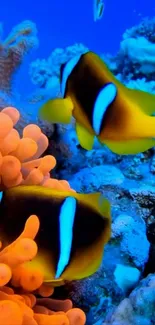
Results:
[20, 161]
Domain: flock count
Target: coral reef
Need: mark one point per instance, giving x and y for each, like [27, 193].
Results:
[133, 243]
[135, 59]
[99, 177]
[140, 53]
[126, 277]
[146, 28]
[138, 308]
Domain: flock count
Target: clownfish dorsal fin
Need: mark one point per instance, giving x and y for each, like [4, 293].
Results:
[57, 110]
[66, 223]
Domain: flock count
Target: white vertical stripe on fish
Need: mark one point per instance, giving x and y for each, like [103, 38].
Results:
[104, 99]
[66, 222]
[70, 65]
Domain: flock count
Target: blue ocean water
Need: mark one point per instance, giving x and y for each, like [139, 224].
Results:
[63, 23]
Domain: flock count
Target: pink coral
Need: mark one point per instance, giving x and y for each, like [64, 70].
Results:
[18, 304]
[20, 162]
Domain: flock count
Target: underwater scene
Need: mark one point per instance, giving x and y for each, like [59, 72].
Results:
[77, 162]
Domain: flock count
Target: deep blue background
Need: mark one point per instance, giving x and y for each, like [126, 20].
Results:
[61, 23]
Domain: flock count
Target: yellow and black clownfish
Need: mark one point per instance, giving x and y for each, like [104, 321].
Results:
[103, 107]
[73, 229]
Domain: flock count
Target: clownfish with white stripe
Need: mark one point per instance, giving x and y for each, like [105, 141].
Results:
[74, 229]
[103, 107]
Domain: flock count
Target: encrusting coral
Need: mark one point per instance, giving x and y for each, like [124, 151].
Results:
[20, 164]
[18, 303]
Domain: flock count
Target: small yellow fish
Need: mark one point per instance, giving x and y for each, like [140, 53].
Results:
[103, 107]
[73, 229]
[98, 9]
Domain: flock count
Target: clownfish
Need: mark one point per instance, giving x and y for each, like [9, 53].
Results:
[103, 107]
[73, 229]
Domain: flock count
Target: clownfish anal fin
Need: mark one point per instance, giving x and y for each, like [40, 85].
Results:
[86, 139]
[130, 147]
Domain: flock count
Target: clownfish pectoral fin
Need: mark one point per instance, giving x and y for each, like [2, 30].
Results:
[130, 147]
[57, 110]
[146, 101]
[66, 223]
[86, 139]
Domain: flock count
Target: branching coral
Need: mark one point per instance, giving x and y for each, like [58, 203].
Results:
[18, 303]
[19, 157]
[21, 40]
